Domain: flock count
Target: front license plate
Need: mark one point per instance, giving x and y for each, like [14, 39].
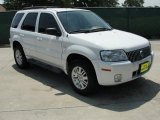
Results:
[144, 67]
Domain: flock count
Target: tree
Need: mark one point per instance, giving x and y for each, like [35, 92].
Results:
[156, 6]
[109, 3]
[95, 3]
[12, 4]
[62, 3]
[19, 4]
[133, 3]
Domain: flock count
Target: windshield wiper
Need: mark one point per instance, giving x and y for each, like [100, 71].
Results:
[80, 31]
[90, 30]
[100, 29]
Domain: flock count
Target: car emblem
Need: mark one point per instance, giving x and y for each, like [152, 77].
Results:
[141, 53]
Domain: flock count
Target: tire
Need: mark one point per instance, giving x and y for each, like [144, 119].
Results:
[82, 77]
[20, 57]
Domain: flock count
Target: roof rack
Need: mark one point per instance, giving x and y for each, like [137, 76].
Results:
[39, 7]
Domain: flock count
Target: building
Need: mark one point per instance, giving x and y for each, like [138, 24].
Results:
[2, 9]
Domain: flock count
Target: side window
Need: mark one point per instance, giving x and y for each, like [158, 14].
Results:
[46, 21]
[29, 22]
[16, 20]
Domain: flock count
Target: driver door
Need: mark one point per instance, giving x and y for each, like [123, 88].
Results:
[49, 46]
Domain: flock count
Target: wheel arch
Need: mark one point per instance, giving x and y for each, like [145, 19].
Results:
[75, 56]
[16, 43]
[77, 52]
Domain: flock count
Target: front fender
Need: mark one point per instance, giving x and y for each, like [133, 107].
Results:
[77, 49]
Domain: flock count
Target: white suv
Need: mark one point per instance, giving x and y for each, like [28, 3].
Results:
[81, 44]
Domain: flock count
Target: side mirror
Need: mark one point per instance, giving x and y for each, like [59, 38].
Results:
[53, 31]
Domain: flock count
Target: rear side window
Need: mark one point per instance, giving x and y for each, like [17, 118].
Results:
[16, 20]
[29, 22]
[47, 21]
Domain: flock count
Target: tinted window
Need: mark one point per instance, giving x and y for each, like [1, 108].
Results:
[16, 20]
[78, 21]
[46, 21]
[30, 22]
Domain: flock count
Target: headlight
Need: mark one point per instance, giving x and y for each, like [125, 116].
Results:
[113, 55]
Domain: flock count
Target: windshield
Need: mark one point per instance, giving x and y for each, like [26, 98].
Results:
[82, 22]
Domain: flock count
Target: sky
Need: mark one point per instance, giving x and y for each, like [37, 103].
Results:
[147, 2]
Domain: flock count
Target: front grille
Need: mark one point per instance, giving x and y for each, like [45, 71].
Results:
[139, 54]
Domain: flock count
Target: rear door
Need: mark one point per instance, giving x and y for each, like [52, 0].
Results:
[28, 34]
[49, 46]
[14, 30]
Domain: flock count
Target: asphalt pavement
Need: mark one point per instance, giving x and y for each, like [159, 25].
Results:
[40, 94]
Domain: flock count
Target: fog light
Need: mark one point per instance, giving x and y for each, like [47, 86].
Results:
[117, 78]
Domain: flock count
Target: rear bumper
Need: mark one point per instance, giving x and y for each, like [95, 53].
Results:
[127, 71]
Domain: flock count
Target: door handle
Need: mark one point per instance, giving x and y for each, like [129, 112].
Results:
[21, 35]
[39, 38]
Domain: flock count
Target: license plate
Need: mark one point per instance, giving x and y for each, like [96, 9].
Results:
[144, 67]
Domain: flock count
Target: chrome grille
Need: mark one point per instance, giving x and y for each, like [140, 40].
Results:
[139, 54]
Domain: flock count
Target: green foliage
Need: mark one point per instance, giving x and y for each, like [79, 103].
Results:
[109, 3]
[133, 3]
[19, 4]
[95, 3]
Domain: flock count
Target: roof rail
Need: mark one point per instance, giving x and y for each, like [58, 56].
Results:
[39, 7]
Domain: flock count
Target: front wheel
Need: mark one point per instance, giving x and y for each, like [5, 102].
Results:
[20, 57]
[82, 76]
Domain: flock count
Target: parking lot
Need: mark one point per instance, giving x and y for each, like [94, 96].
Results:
[40, 94]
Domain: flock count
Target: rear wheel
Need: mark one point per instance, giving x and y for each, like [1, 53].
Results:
[20, 57]
[82, 77]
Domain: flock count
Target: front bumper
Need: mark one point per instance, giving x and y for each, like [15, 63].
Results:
[127, 70]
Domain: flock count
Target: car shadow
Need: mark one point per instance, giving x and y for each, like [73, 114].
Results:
[116, 98]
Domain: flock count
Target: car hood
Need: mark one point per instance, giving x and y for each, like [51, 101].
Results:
[110, 40]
